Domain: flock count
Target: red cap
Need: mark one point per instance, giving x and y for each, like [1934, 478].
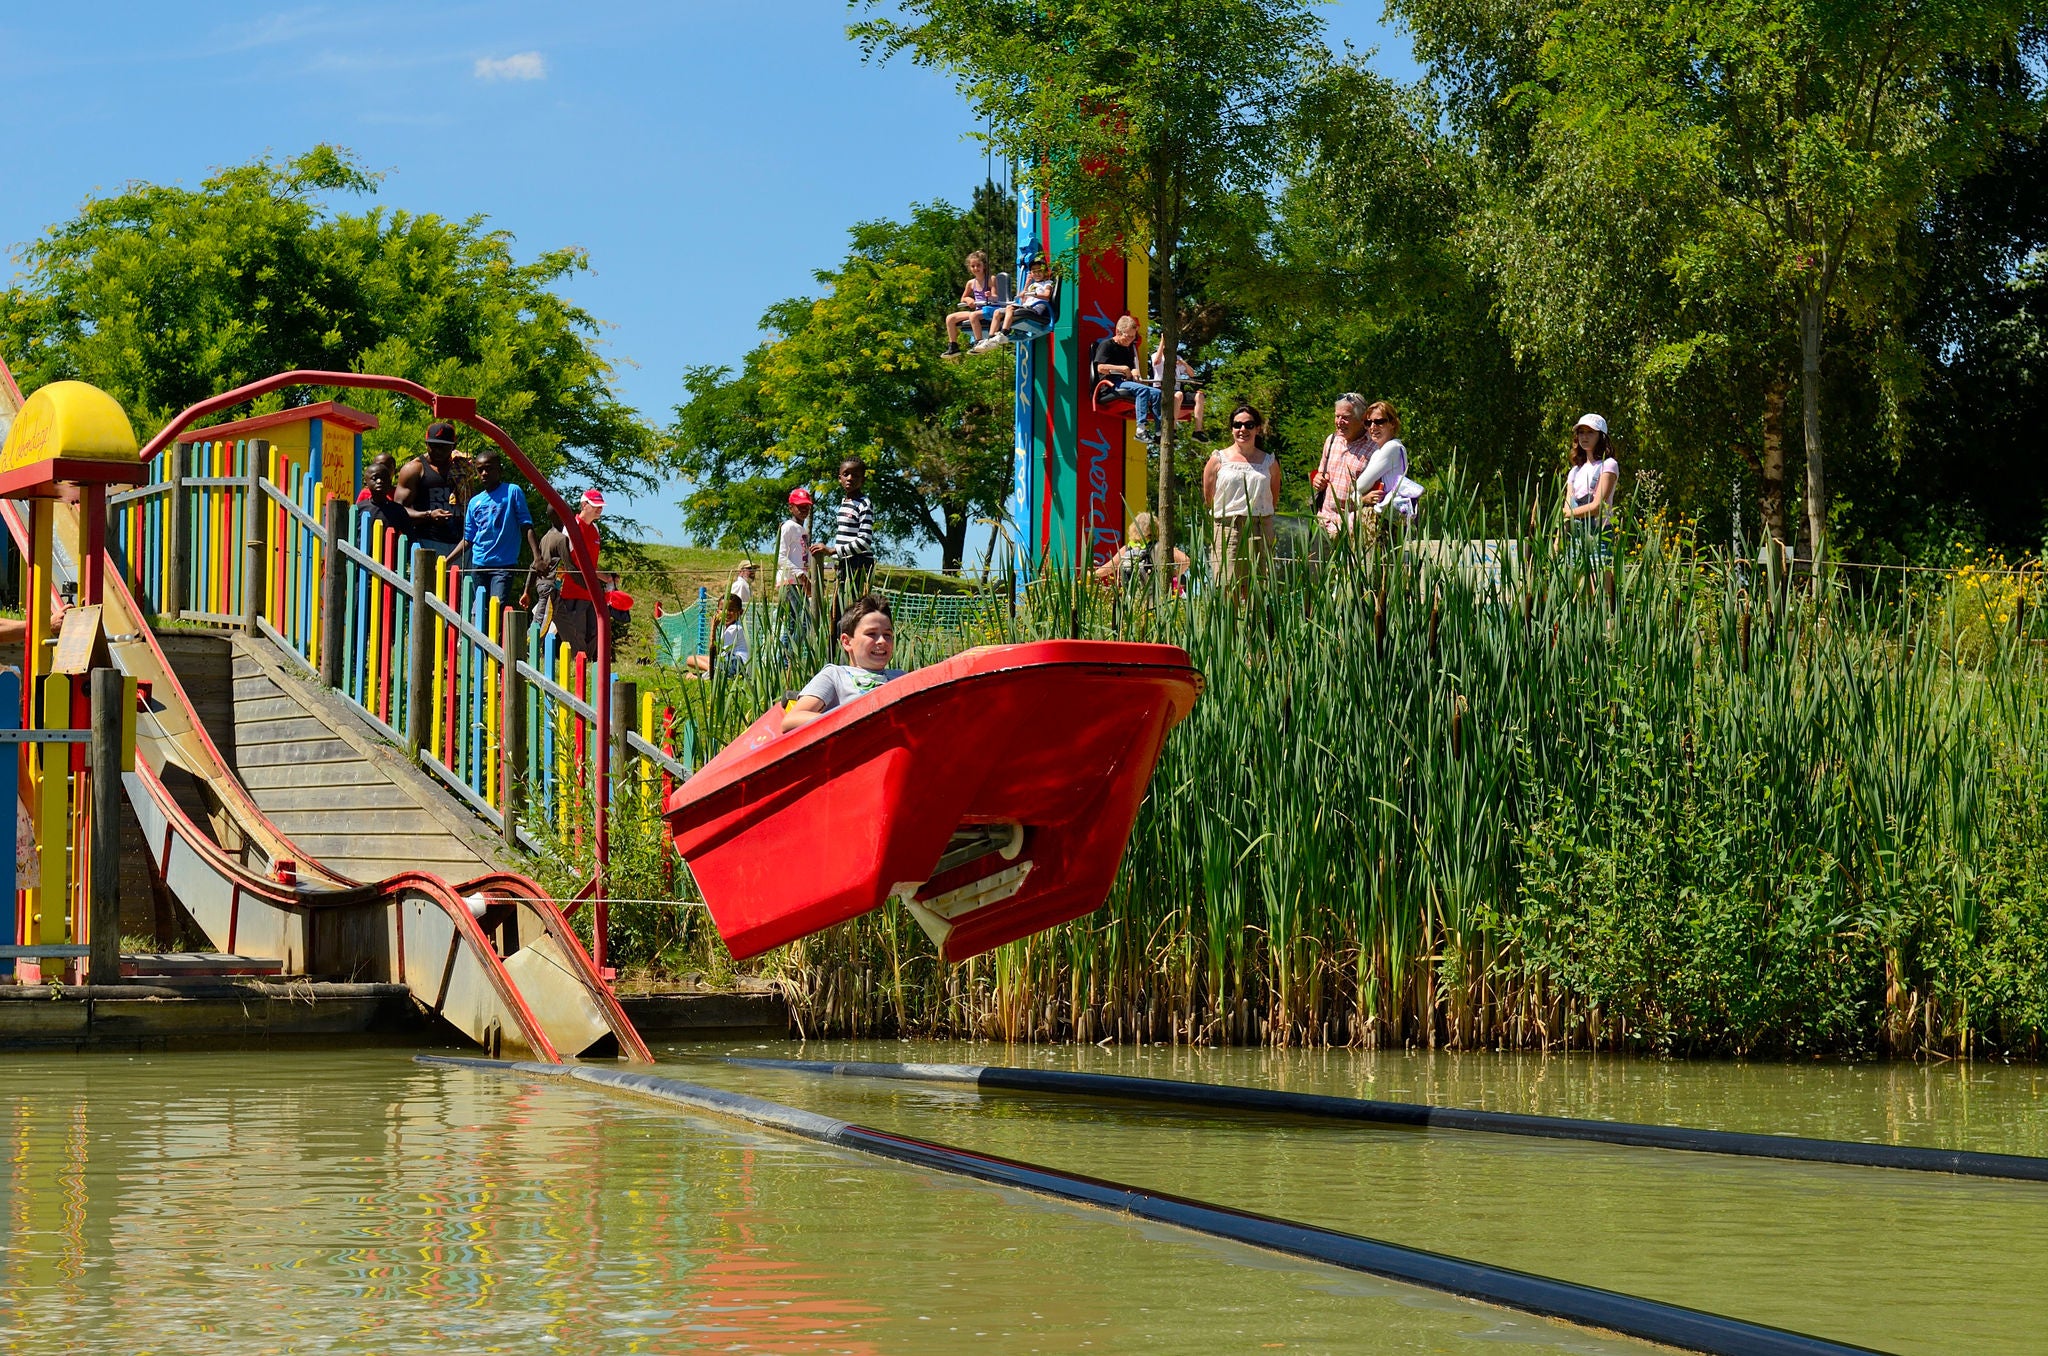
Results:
[594, 498]
[799, 497]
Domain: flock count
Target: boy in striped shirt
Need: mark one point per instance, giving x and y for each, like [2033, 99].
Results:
[853, 540]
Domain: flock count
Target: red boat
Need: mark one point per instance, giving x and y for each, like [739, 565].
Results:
[994, 793]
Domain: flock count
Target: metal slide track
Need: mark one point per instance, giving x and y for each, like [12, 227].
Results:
[492, 955]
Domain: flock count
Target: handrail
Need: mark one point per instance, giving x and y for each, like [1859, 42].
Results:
[585, 560]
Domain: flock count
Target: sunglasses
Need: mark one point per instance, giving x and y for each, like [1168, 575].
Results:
[1241, 423]
[1372, 422]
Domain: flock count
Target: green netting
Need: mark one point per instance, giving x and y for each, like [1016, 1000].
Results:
[680, 634]
[943, 611]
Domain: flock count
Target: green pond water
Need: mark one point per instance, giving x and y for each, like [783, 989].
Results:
[356, 1201]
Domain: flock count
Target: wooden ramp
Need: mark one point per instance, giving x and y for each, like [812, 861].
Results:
[324, 786]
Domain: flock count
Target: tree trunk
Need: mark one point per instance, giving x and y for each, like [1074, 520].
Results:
[953, 546]
[1774, 460]
[1164, 243]
[1816, 474]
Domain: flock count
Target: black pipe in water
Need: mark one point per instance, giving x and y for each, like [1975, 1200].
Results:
[1423, 1115]
[1629, 1315]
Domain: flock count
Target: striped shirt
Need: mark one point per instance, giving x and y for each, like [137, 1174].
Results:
[855, 535]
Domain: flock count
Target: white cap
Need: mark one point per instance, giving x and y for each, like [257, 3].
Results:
[1594, 422]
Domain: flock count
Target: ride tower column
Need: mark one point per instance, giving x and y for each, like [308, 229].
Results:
[1078, 467]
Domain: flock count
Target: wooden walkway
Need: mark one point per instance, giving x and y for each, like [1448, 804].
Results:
[340, 792]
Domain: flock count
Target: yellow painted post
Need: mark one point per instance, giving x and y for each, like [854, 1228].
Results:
[49, 905]
[1137, 294]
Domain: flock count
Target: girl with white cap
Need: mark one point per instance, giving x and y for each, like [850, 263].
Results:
[1591, 483]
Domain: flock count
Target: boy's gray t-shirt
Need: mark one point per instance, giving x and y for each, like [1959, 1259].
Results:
[842, 683]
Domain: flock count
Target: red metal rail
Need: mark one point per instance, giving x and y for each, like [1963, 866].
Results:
[463, 409]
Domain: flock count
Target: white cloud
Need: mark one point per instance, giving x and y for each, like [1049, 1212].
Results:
[518, 66]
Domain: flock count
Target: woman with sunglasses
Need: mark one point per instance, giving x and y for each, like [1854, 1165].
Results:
[1384, 483]
[1241, 484]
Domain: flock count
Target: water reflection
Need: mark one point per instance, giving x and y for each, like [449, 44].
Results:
[330, 1202]
[1906, 1262]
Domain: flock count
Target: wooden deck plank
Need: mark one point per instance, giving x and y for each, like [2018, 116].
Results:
[310, 751]
[279, 707]
[377, 795]
[379, 821]
[299, 729]
[397, 844]
[303, 775]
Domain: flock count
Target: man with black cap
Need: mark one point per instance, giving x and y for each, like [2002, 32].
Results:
[432, 482]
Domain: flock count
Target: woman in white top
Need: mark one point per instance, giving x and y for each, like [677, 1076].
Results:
[1241, 484]
[1590, 484]
[1380, 483]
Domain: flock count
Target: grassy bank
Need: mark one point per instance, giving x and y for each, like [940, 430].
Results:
[1674, 805]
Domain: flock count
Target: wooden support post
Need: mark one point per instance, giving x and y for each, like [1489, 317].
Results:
[624, 710]
[177, 535]
[255, 515]
[333, 593]
[512, 724]
[103, 899]
[419, 657]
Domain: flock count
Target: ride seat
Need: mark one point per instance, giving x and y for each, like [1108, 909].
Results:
[1024, 325]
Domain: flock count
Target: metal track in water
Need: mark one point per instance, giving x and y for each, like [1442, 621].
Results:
[1423, 1115]
[1606, 1310]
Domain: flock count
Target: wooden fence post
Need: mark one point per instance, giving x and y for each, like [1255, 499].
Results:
[177, 534]
[103, 900]
[256, 515]
[625, 709]
[512, 722]
[333, 593]
[418, 674]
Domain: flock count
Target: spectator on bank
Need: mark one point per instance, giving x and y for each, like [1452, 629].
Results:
[493, 523]
[575, 609]
[743, 583]
[793, 550]
[977, 304]
[1591, 482]
[1241, 485]
[1383, 484]
[433, 481]
[729, 647]
[380, 497]
[853, 541]
[1132, 565]
[1346, 453]
[1116, 360]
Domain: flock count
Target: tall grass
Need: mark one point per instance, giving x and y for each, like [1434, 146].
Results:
[1671, 802]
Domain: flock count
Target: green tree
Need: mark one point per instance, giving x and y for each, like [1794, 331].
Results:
[1136, 116]
[1798, 139]
[857, 372]
[164, 296]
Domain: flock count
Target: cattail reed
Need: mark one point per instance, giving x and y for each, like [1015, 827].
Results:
[1543, 799]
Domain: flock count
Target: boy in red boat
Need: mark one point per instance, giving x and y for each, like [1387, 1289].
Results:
[867, 635]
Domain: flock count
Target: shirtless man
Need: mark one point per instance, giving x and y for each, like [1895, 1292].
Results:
[432, 482]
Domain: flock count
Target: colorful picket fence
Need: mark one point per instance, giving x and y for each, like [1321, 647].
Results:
[419, 649]
[138, 533]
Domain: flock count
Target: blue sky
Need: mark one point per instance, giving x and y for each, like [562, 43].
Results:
[707, 155]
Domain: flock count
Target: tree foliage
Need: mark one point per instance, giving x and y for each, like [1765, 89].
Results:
[164, 296]
[857, 372]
